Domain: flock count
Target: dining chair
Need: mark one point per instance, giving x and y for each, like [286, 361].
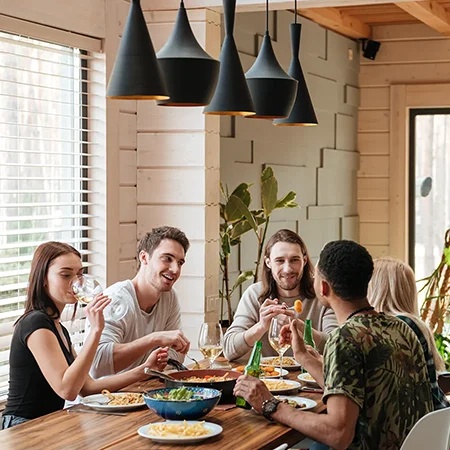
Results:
[431, 431]
[281, 447]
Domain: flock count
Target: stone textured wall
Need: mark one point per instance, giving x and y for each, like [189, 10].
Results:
[319, 163]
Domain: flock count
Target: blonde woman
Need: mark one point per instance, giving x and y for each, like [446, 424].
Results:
[392, 290]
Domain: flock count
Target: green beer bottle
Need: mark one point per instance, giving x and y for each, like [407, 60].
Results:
[252, 368]
[308, 334]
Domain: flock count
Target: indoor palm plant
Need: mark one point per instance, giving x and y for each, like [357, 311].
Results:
[436, 306]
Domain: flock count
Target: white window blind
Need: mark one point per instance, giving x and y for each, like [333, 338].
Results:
[45, 161]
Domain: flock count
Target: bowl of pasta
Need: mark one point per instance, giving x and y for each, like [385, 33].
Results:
[222, 380]
[184, 403]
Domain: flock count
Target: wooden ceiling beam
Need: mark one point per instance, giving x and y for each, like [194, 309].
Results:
[338, 21]
[252, 5]
[430, 13]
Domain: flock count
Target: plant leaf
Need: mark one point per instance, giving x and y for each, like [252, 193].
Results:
[447, 256]
[226, 247]
[269, 192]
[222, 190]
[240, 228]
[238, 207]
[287, 201]
[266, 173]
[242, 278]
[233, 209]
[243, 193]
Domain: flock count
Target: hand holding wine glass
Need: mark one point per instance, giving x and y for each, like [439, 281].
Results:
[210, 341]
[276, 325]
[86, 288]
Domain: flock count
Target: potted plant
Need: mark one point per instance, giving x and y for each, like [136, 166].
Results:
[238, 219]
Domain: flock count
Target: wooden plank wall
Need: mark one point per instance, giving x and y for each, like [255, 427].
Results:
[409, 54]
[319, 163]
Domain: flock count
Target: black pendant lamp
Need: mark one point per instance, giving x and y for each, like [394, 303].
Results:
[232, 96]
[302, 113]
[272, 89]
[190, 73]
[136, 74]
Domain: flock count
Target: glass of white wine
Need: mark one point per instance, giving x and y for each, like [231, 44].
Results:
[86, 287]
[274, 337]
[210, 341]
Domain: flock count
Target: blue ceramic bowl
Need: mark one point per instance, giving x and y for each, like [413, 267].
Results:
[192, 409]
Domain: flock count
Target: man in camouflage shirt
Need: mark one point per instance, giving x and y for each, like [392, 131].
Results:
[374, 374]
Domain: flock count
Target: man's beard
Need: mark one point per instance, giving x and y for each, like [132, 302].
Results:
[289, 285]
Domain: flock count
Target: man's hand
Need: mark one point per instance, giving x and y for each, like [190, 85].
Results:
[269, 309]
[293, 334]
[174, 339]
[252, 390]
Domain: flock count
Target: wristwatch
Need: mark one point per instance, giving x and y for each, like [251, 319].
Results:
[269, 407]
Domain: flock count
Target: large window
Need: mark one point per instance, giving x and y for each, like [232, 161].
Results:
[44, 164]
[429, 193]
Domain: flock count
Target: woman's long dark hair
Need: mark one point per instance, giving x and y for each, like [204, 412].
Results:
[37, 296]
[269, 285]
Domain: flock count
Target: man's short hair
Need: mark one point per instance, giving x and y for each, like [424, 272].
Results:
[347, 267]
[151, 240]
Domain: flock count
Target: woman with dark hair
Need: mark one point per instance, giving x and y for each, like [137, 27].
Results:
[287, 275]
[44, 368]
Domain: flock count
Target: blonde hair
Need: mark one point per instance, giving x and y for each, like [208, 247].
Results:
[392, 290]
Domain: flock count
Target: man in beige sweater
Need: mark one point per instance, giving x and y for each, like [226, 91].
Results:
[287, 275]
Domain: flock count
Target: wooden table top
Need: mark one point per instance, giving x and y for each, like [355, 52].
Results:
[64, 430]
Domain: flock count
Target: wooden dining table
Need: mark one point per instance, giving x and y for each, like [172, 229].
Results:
[68, 429]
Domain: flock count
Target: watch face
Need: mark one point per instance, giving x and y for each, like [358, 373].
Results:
[269, 407]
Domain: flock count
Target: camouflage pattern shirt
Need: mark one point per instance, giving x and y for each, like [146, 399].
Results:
[377, 362]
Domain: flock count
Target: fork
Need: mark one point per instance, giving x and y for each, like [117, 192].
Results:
[196, 364]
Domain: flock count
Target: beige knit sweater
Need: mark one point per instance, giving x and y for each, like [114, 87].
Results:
[247, 315]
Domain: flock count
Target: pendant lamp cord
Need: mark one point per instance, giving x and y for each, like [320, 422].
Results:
[267, 17]
[295, 11]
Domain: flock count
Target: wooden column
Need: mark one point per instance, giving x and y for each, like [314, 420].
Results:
[178, 176]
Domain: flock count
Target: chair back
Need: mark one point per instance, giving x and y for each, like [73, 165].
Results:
[430, 432]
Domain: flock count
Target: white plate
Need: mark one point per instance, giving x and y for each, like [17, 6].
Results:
[307, 401]
[277, 369]
[304, 377]
[292, 385]
[214, 428]
[264, 362]
[99, 402]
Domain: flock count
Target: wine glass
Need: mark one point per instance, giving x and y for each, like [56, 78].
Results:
[210, 341]
[86, 287]
[274, 337]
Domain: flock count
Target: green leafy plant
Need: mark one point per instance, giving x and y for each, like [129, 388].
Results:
[233, 226]
[238, 219]
[436, 306]
[443, 346]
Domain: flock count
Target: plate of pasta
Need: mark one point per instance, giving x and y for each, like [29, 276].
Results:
[180, 431]
[114, 401]
[307, 378]
[289, 363]
[281, 385]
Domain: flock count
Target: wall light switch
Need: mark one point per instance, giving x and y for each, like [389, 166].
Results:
[350, 54]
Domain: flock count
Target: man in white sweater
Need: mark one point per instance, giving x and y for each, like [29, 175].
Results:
[287, 275]
[153, 318]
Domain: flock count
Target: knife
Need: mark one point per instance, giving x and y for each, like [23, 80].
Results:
[109, 413]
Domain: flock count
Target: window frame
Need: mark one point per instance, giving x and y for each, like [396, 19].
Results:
[413, 113]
